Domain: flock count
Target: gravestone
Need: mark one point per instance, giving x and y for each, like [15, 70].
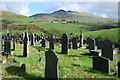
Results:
[101, 64]
[26, 45]
[64, 42]
[91, 44]
[23, 68]
[107, 49]
[23, 35]
[74, 43]
[81, 39]
[119, 69]
[32, 39]
[43, 42]
[96, 41]
[99, 45]
[51, 45]
[7, 44]
[51, 66]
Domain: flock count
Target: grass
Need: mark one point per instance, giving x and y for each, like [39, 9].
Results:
[6, 14]
[77, 64]
[111, 34]
[58, 29]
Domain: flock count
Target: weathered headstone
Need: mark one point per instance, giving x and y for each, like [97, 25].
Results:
[23, 68]
[74, 43]
[96, 41]
[64, 42]
[51, 42]
[119, 69]
[99, 44]
[91, 44]
[51, 66]
[32, 39]
[101, 64]
[7, 44]
[43, 42]
[107, 49]
[81, 39]
[26, 45]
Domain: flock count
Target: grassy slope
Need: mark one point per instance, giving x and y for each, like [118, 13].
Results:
[82, 17]
[58, 29]
[73, 65]
[109, 33]
[6, 14]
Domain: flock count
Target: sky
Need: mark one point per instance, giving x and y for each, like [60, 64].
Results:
[101, 8]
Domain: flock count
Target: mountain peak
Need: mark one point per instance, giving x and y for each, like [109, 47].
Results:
[60, 12]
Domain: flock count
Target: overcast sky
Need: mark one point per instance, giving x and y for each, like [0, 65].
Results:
[104, 9]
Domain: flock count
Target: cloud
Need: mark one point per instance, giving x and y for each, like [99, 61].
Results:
[105, 9]
[15, 7]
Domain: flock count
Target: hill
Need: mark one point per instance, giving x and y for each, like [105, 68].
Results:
[6, 14]
[72, 16]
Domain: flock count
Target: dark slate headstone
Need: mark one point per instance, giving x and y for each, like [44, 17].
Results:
[74, 43]
[101, 64]
[96, 41]
[99, 44]
[7, 44]
[26, 45]
[52, 42]
[91, 44]
[32, 39]
[51, 66]
[23, 68]
[119, 69]
[81, 39]
[64, 42]
[43, 42]
[107, 49]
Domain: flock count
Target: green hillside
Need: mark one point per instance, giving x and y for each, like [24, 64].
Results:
[73, 16]
[38, 26]
[6, 14]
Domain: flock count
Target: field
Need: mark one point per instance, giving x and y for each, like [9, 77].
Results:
[58, 29]
[77, 64]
